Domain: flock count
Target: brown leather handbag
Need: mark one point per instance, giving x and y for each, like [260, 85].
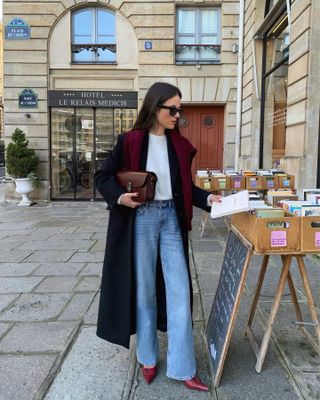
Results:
[142, 182]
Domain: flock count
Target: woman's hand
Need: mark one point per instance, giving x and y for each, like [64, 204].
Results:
[214, 198]
[127, 199]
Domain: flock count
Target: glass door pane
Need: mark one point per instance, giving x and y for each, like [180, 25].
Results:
[83, 157]
[62, 127]
[127, 118]
[104, 138]
[81, 139]
[275, 109]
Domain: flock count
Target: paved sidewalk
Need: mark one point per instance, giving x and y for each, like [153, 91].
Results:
[50, 266]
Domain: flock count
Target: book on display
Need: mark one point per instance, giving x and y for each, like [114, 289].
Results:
[232, 204]
[269, 212]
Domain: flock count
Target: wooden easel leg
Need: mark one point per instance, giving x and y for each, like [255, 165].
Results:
[273, 313]
[311, 303]
[258, 290]
[298, 312]
[293, 294]
[294, 297]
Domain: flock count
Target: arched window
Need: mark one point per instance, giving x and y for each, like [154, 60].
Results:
[93, 36]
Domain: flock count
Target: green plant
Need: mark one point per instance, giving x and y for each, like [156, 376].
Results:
[34, 178]
[21, 160]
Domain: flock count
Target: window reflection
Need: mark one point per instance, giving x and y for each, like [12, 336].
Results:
[198, 35]
[61, 151]
[276, 113]
[269, 5]
[275, 82]
[81, 139]
[93, 36]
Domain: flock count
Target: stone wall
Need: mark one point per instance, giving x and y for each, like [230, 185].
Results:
[1, 81]
[302, 131]
[249, 142]
[40, 64]
[303, 93]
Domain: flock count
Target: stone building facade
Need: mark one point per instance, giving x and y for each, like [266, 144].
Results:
[77, 115]
[1, 81]
[90, 80]
[281, 85]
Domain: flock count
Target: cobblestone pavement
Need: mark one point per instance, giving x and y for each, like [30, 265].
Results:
[50, 267]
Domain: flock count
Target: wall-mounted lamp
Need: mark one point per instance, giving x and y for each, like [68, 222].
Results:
[27, 115]
[235, 48]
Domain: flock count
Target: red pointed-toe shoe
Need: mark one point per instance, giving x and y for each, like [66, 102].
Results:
[149, 373]
[196, 384]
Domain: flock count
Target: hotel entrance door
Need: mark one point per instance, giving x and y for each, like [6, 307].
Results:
[81, 138]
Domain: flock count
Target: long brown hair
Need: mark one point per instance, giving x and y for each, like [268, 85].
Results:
[157, 94]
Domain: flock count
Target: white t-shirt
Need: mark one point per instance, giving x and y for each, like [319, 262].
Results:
[158, 162]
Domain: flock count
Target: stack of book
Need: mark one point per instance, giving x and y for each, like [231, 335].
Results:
[264, 172]
[269, 212]
[254, 195]
[274, 196]
[217, 174]
[276, 171]
[248, 173]
[301, 208]
[256, 203]
[312, 195]
[293, 207]
[202, 172]
[262, 210]
[231, 172]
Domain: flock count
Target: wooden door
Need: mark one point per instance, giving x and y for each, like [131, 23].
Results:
[203, 126]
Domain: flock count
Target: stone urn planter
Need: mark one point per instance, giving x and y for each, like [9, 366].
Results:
[21, 164]
[24, 186]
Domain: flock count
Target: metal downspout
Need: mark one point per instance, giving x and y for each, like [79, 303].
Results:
[239, 87]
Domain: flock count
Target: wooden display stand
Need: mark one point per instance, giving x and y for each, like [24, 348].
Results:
[270, 182]
[289, 237]
[254, 182]
[236, 262]
[270, 235]
[310, 234]
[285, 275]
[237, 182]
[240, 182]
[286, 181]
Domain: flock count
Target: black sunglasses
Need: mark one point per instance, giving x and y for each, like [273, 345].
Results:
[172, 110]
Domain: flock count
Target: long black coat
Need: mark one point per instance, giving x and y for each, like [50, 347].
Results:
[117, 316]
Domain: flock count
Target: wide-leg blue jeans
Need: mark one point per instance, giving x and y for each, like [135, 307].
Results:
[156, 226]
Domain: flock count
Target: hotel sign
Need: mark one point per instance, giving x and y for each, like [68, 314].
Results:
[17, 29]
[90, 98]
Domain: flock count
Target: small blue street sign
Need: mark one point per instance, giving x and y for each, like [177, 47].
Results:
[28, 99]
[148, 45]
[17, 29]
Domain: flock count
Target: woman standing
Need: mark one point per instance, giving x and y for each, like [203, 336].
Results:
[146, 282]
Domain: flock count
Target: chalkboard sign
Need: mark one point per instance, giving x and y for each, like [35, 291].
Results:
[235, 263]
